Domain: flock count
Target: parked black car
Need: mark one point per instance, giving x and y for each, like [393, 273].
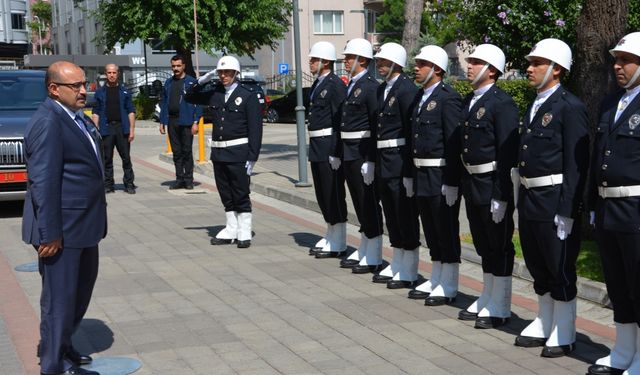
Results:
[283, 109]
[21, 92]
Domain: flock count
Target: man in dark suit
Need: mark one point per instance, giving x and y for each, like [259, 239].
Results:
[235, 145]
[435, 120]
[614, 199]
[393, 167]
[65, 213]
[489, 151]
[552, 166]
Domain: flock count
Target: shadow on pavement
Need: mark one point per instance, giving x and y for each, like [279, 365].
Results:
[11, 209]
[99, 336]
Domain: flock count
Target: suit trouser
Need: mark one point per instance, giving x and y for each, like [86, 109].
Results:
[620, 253]
[181, 141]
[330, 192]
[233, 186]
[365, 199]
[120, 141]
[67, 283]
[441, 228]
[400, 213]
[550, 261]
[492, 240]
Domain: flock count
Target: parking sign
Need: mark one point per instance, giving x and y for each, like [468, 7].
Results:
[283, 68]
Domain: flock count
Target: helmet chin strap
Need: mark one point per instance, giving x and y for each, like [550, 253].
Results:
[547, 75]
[319, 70]
[633, 79]
[424, 81]
[393, 65]
[479, 75]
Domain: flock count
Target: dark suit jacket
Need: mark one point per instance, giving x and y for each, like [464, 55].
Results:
[324, 112]
[65, 195]
[555, 142]
[393, 123]
[360, 113]
[435, 136]
[490, 133]
[616, 162]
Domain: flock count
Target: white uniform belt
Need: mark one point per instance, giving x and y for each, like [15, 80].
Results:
[390, 143]
[320, 133]
[480, 168]
[355, 135]
[429, 162]
[619, 191]
[534, 182]
[233, 142]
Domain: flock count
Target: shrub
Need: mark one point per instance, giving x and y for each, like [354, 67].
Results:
[144, 106]
[518, 89]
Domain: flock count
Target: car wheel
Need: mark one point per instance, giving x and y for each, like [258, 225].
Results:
[272, 116]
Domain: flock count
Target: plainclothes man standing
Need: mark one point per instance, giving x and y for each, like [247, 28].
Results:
[489, 151]
[235, 145]
[393, 167]
[435, 152]
[614, 201]
[552, 167]
[115, 116]
[326, 95]
[65, 213]
[182, 119]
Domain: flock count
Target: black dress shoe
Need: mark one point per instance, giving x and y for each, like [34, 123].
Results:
[188, 186]
[330, 254]
[244, 244]
[467, 315]
[530, 342]
[381, 279]
[177, 185]
[557, 351]
[314, 250]
[399, 284]
[348, 263]
[439, 301]
[221, 241]
[487, 322]
[417, 294]
[359, 269]
[129, 190]
[79, 371]
[604, 370]
[77, 358]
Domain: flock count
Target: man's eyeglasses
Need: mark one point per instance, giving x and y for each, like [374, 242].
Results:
[76, 86]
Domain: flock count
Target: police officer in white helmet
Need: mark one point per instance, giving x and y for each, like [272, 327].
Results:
[614, 198]
[552, 169]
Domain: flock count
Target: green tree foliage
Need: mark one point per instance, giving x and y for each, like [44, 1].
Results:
[239, 26]
[41, 9]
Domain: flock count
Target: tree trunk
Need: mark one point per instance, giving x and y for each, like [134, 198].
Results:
[186, 53]
[413, 10]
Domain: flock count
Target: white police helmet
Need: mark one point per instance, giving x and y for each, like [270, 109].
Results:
[228, 63]
[489, 54]
[554, 50]
[323, 50]
[434, 54]
[359, 47]
[393, 52]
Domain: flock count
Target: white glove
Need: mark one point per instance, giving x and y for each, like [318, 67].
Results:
[408, 185]
[565, 224]
[592, 218]
[335, 162]
[207, 77]
[450, 194]
[367, 170]
[249, 165]
[498, 209]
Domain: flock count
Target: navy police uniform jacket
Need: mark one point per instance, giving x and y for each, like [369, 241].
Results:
[326, 96]
[360, 113]
[616, 162]
[434, 128]
[394, 123]
[239, 117]
[555, 142]
[489, 134]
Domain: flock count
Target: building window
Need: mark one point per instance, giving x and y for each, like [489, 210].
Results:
[371, 21]
[17, 21]
[83, 43]
[327, 22]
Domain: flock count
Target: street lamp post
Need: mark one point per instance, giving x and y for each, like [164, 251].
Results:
[302, 142]
[39, 34]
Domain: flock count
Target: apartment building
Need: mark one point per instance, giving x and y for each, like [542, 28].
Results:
[14, 35]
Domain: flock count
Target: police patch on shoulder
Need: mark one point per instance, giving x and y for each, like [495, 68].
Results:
[238, 100]
[392, 100]
[323, 93]
[357, 92]
[480, 113]
[634, 121]
[432, 105]
[546, 119]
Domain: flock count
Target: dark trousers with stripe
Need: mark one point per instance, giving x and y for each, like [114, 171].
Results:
[68, 279]
[233, 186]
[492, 240]
[330, 192]
[550, 261]
[400, 213]
[620, 253]
[365, 199]
[441, 228]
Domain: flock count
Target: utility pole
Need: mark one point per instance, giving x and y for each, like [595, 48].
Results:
[302, 139]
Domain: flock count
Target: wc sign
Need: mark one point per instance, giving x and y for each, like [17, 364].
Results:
[283, 68]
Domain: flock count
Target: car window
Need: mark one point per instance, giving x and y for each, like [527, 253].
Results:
[21, 92]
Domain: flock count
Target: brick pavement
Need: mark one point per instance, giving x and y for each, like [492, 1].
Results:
[169, 299]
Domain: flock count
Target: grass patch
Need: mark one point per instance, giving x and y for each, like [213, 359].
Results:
[588, 264]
